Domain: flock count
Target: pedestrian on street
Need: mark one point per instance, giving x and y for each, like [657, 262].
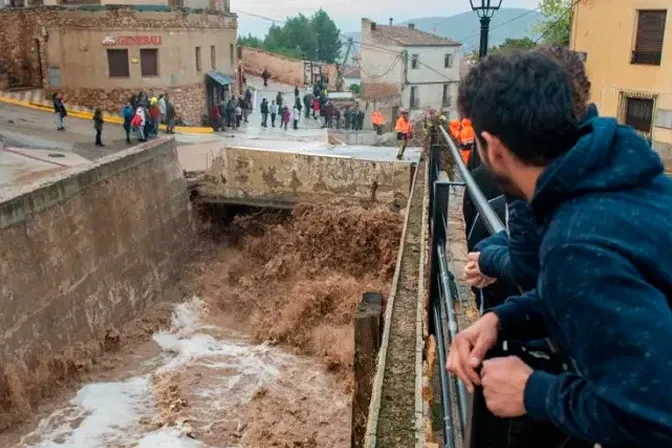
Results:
[316, 107]
[337, 118]
[296, 114]
[215, 118]
[278, 99]
[231, 113]
[285, 116]
[264, 113]
[127, 115]
[59, 110]
[170, 117]
[162, 109]
[307, 102]
[296, 91]
[265, 76]
[239, 113]
[274, 112]
[138, 122]
[155, 115]
[360, 120]
[98, 126]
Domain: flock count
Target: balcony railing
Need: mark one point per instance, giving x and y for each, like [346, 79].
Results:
[646, 57]
[444, 292]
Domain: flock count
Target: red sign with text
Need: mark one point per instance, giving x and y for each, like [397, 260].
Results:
[132, 40]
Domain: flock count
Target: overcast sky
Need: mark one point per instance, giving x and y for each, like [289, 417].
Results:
[348, 13]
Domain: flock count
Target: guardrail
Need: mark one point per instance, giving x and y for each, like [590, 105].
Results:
[444, 292]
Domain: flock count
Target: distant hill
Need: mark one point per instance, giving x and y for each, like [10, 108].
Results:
[513, 23]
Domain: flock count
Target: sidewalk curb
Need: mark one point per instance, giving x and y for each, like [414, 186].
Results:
[46, 107]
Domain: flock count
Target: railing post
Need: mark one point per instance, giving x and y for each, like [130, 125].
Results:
[439, 209]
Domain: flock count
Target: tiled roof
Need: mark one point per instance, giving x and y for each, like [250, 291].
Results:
[410, 37]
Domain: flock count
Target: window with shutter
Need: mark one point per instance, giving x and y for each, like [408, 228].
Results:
[117, 62]
[649, 38]
[639, 113]
[149, 61]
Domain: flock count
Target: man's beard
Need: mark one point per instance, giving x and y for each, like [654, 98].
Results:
[504, 182]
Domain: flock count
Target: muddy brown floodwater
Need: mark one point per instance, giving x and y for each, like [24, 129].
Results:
[258, 355]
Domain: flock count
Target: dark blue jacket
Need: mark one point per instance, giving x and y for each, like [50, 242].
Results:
[515, 257]
[604, 291]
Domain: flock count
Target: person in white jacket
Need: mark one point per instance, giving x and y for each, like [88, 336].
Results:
[140, 112]
[296, 114]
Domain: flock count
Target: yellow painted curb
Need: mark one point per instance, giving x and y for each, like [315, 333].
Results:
[108, 118]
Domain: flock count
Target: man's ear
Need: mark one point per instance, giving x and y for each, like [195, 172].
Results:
[494, 146]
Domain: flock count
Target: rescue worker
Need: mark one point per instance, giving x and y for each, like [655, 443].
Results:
[454, 129]
[466, 139]
[404, 132]
[378, 120]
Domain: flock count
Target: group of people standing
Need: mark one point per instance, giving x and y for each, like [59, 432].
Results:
[142, 114]
[231, 112]
[277, 108]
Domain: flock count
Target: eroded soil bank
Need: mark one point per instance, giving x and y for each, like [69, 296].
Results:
[259, 354]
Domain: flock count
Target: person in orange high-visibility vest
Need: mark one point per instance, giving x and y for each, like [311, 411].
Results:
[454, 129]
[466, 139]
[404, 132]
[378, 121]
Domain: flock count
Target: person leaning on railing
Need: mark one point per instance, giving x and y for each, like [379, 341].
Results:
[604, 206]
[514, 255]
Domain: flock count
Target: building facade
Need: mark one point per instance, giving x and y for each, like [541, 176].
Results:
[627, 45]
[98, 55]
[419, 69]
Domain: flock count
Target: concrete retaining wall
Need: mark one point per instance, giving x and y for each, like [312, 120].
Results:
[273, 178]
[89, 249]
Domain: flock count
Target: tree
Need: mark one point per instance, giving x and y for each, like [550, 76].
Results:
[328, 37]
[509, 44]
[250, 41]
[557, 23]
[314, 38]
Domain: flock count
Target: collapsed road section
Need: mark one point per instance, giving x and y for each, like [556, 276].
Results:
[202, 326]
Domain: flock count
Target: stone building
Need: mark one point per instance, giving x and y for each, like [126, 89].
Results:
[98, 55]
[630, 70]
[402, 66]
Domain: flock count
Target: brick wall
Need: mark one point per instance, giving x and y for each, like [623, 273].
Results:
[189, 100]
[18, 31]
[282, 69]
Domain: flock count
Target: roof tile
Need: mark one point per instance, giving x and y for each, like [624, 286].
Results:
[403, 35]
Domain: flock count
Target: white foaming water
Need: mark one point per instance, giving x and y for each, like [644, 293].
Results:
[110, 414]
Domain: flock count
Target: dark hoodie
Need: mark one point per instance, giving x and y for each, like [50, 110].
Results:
[515, 257]
[604, 290]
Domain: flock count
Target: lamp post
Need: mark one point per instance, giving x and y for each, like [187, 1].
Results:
[484, 9]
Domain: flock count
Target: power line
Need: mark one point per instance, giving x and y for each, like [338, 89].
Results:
[468, 38]
[394, 64]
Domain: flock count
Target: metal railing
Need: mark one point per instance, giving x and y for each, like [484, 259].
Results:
[444, 292]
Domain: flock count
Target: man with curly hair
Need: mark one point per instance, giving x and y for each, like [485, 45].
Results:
[513, 255]
[604, 289]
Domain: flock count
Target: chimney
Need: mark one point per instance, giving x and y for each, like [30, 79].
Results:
[391, 20]
[373, 26]
[411, 26]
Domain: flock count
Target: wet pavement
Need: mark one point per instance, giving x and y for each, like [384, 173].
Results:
[35, 132]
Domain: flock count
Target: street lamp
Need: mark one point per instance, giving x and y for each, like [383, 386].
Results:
[484, 9]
